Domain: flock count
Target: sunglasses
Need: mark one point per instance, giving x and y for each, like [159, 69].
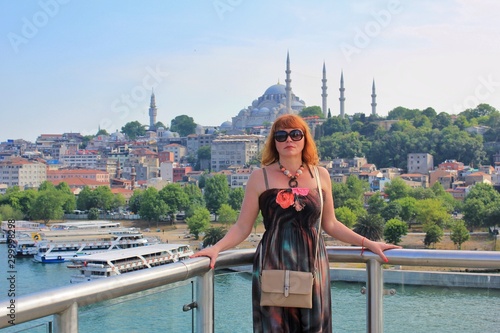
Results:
[295, 135]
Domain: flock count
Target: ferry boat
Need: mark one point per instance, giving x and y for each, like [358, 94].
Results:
[53, 250]
[19, 233]
[112, 263]
[27, 233]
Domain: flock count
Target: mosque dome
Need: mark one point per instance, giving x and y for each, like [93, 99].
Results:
[277, 89]
[264, 110]
[226, 124]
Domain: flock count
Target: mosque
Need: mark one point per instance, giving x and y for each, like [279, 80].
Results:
[277, 100]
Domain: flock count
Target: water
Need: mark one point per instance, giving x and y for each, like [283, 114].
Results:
[413, 309]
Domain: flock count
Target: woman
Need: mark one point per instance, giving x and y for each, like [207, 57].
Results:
[285, 190]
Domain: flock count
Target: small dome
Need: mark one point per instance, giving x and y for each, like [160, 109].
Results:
[264, 110]
[226, 124]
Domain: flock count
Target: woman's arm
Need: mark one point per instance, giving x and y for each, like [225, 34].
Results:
[338, 230]
[243, 226]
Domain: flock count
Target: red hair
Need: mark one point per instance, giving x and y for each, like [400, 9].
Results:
[309, 153]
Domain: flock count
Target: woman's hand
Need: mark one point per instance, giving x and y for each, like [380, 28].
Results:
[210, 252]
[379, 248]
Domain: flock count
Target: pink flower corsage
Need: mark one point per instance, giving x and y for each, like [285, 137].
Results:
[292, 197]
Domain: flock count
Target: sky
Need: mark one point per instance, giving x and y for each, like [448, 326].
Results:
[77, 66]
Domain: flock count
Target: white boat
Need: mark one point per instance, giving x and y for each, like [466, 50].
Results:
[81, 243]
[78, 225]
[27, 233]
[112, 263]
[19, 233]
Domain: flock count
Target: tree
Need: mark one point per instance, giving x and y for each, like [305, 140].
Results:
[480, 200]
[47, 205]
[204, 154]
[354, 188]
[236, 198]
[184, 125]
[346, 216]
[311, 111]
[175, 198]
[199, 222]
[334, 125]
[102, 198]
[213, 235]
[83, 202]
[408, 209]
[134, 203]
[459, 234]
[432, 211]
[9, 213]
[370, 226]
[376, 204]
[93, 213]
[433, 234]
[152, 206]
[118, 201]
[159, 124]
[216, 192]
[227, 215]
[134, 129]
[393, 231]
[391, 211]
[69, 200]
[397, 189]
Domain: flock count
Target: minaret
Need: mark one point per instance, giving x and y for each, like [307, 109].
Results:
[342, 98]
[132, 178]
[288, 87]
[324, 95]
[152, 112]
[374, 100]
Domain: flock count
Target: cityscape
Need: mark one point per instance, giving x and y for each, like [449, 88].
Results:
[129, 131]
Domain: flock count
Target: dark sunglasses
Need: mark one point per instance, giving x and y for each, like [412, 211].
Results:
[295, 135]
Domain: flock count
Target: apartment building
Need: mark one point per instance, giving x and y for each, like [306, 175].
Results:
[420, 163]
[233, 150]
[21, 172]
[87, 159]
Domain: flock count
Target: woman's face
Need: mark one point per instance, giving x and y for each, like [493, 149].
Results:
[289, 141]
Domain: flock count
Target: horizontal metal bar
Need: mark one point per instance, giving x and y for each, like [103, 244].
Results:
[54, 301]
[410, 257]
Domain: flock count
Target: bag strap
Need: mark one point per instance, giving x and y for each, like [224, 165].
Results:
[320, 191]
[265, 178]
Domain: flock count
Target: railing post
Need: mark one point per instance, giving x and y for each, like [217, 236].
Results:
[205, 301]
[67, 321]
[374, 301]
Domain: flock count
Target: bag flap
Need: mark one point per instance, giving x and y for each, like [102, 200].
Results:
[273, 281]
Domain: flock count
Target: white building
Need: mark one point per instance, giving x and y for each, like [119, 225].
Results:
[81, 159]
[233, 150]
[23, 173]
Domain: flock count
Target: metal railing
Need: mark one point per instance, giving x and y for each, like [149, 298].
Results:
[63, 303]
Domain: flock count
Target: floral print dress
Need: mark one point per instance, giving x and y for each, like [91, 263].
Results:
[289, 242]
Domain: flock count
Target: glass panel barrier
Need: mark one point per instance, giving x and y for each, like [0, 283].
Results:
[233, 302]
[154, 310]
[444, 308]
